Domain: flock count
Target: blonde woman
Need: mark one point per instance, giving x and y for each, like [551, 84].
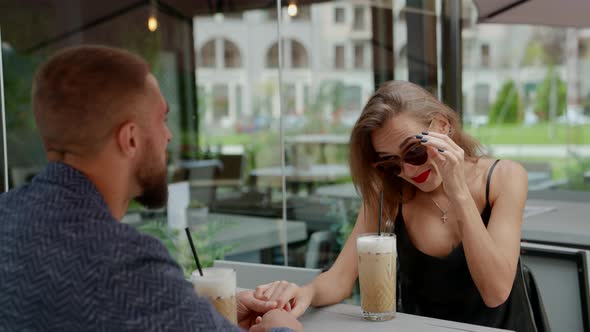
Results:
[456, 213]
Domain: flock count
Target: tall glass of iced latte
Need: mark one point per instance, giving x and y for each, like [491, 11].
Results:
[377, 275]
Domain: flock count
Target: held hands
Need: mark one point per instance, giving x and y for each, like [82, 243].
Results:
[287, 295]
[449, 158]
[261, 313]
[250, 308]
[276, 318]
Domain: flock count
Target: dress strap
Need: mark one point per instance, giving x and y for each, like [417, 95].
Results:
[488, 182]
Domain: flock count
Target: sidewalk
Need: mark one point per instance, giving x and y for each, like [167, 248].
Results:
[528, 150]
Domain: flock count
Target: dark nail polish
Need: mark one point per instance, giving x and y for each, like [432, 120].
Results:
[424, 140]
[419, 136]
[424, 133]
[441, 150]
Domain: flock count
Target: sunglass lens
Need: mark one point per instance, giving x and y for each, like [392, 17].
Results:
[391, 168]
[417, 155]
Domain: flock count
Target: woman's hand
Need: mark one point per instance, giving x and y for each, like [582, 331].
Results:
[287, 295]
[276, 319]
[249, 308]
[449, 159]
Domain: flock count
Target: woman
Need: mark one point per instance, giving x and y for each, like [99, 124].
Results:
[457, 216]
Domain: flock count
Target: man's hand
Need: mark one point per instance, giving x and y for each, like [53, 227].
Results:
[276, 318]
[249, 308]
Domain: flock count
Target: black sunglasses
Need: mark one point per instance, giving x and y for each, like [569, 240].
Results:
[416, 155]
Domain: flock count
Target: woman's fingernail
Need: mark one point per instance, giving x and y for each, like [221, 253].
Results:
[419, 136]
[441, 150]
[424, 140]
[424, 133]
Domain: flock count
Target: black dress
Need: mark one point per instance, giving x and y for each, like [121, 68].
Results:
[443, 288]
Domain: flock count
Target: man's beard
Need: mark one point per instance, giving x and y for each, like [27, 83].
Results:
[154, 186]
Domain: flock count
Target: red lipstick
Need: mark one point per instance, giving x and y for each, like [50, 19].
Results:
[422, 177]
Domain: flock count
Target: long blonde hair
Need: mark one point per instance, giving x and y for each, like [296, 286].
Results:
[393, 98]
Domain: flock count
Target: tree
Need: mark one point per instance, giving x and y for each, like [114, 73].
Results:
[508, 105]
[23, 142]
[551, 84]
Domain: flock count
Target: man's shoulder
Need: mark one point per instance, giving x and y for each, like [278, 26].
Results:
[125, 240]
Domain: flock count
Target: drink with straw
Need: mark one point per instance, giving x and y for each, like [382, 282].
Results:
[377, 275]
[217, 284]
[377, 272]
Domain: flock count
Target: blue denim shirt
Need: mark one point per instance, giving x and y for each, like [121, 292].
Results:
[66, 264]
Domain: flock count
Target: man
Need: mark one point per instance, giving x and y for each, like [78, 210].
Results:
[66, 262]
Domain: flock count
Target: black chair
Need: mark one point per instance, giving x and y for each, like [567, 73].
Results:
[535, 300]
[557, 284]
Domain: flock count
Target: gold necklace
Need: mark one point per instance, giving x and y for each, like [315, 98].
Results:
[444, 216]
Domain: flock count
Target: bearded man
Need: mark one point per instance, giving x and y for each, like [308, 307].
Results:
[67, 263]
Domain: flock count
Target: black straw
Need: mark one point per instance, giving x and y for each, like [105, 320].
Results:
[190, 241]
[380, 212]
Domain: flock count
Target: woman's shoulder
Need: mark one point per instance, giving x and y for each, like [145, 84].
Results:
[505, 169]
[506, 175]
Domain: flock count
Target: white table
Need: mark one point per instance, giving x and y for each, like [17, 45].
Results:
[318, 139]
[341, 190]
[247, 233]
[346, 317]
[566, 224]
[309, 176]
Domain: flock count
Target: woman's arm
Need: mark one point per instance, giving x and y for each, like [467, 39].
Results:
[329, 287]
[492, 254]
[336, 284]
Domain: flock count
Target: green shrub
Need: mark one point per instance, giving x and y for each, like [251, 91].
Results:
[508, 106]
[543, 99]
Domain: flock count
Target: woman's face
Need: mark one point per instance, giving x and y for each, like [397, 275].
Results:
[394, 139]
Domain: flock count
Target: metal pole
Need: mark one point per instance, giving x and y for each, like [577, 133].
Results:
[5, 157]
[282, 137]
[452, 55]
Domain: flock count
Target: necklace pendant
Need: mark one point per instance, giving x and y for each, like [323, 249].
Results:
[444, 218]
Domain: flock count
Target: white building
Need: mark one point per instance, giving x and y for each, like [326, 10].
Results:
[237, 73]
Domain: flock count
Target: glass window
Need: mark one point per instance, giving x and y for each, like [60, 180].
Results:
[220, 101]
[339, 15]
[533, 97]
[359, 18]
[231, 54]
[359, 56]
[352, 98]
[272, 56]
[485, 55]
[298, 55]
[208, 54]
[339, 57]
[290, 99]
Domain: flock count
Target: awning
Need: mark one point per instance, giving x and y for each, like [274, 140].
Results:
[562, 13]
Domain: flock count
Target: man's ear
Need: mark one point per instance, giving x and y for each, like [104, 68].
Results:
[127, 139]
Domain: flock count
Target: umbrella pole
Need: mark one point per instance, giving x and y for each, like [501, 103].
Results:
[5, 157]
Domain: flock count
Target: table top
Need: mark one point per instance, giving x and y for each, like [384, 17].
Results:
[320, 172]
[565, 223]
[248, 233]
[317, 139]
[341, 190]
[346, 317]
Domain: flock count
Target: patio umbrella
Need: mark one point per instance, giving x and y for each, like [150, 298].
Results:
[563, 13]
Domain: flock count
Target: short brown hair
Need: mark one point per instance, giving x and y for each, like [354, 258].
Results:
[392, 98]
[81, 94]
